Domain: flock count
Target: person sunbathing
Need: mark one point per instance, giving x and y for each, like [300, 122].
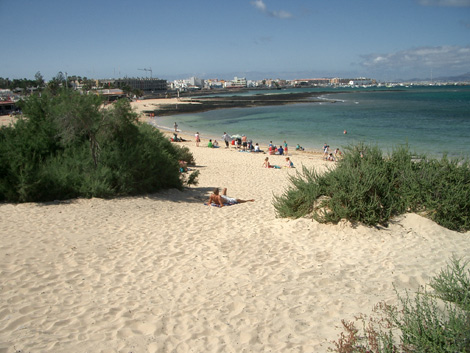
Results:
[266, 164]
[222, 199]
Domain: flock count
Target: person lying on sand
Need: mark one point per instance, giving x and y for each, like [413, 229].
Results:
[178, 139]
[223, 199]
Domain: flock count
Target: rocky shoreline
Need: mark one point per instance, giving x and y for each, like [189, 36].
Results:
[201, 104]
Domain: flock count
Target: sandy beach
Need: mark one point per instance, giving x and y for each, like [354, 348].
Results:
[166, 273]
[6, 120]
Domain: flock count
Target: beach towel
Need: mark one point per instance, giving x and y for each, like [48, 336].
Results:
[217, 205]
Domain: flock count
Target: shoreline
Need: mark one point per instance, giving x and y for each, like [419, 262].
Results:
[362, 121]
[190, 140]
[176, 106]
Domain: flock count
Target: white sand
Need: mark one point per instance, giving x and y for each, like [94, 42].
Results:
[165, 273]
[140, 106]
[7, 120]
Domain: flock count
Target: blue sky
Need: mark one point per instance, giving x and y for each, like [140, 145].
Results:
[382, 39]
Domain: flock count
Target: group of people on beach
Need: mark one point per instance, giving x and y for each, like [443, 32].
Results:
[244, 144]
[241, 143]
[278, 150]
[329, 156]
[210, 144]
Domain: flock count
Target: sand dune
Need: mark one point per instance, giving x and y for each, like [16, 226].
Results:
[165, 273]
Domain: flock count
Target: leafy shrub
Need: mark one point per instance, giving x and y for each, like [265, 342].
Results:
[184, 154]
[421, 324]
[366, 187]
[23, 149]
[70, 146]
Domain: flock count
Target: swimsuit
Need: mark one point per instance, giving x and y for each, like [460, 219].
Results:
[228, 199]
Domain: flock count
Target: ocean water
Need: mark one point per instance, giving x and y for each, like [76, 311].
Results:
[434, 120]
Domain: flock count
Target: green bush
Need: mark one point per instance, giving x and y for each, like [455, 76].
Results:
[369, 188]
[70, 146]
[420, 324]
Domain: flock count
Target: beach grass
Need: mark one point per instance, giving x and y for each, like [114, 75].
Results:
[368, 187]
[437, 321]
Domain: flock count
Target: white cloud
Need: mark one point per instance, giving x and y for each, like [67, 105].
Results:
[260, 5]
[280, 14]
[445, 3]
[443, 58]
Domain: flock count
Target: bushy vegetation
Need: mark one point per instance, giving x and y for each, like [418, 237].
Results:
[369, 188]
[70, 146]
[433, 322]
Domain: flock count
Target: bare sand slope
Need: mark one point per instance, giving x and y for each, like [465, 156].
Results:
[165, 273]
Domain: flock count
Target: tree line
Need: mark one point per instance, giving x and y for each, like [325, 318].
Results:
[60, 80]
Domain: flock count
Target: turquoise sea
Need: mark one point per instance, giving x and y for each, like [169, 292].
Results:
[434, 120]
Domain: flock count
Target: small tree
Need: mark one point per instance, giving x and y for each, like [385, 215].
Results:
[138, 92]
[79, 116]
[127, 90]
[39, 80]
[87, 85]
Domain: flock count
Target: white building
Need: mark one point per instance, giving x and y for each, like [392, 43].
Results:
[188, 84]
[195, 81]
[237, 82]
[361, 81]
[213, 83]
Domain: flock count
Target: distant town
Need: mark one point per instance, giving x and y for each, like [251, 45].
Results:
[143, 87]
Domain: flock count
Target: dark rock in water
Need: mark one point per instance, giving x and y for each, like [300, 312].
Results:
[202, 104]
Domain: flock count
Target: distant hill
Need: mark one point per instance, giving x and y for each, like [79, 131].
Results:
[259, 75]
[460, 78]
